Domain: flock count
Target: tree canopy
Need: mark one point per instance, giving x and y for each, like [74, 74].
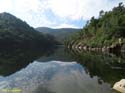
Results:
[104, 30]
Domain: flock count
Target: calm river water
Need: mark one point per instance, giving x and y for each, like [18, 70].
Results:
[59, 71]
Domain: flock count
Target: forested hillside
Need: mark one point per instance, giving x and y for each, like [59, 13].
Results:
[106, 30]
[60, 34]
[17, 33]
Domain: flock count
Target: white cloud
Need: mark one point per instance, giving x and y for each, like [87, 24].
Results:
[5, 5]
[65, 25]
[76, 9]
[66, 8]
[34, 11]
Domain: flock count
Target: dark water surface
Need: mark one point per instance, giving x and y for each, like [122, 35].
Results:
[59, 71]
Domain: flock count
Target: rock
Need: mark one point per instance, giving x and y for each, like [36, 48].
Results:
[120, 86]
[85, 48]
[80, 47]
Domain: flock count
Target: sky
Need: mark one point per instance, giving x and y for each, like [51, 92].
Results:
[56, 13]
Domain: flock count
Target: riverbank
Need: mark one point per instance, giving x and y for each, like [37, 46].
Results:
[120, 47]
[105, 33]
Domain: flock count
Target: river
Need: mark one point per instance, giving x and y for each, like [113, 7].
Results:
[59, 71]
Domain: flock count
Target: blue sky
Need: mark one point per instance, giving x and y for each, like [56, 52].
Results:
[57, 13]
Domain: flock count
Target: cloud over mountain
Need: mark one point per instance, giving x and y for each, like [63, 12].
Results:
[56, 13]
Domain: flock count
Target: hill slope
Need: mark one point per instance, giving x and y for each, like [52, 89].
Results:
[106, 31]
[15, 32]
[60, 34]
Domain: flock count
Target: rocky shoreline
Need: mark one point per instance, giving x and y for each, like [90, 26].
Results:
[112, 48]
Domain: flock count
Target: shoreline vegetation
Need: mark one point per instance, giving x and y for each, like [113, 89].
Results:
[105, 33]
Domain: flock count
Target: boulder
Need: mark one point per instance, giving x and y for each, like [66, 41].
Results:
[120, 86]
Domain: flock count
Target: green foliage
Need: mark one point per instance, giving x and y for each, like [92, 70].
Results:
[104, 31]
[60, 34]
[14, 32]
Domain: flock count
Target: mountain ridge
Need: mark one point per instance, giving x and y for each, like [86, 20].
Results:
[59, 33]
[15, 32]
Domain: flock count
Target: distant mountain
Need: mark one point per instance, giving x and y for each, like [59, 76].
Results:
[15, 32]
[60, 34]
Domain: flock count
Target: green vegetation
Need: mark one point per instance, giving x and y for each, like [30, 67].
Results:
[16, 33]
[108, 67]
[106, 30]
[60, 34]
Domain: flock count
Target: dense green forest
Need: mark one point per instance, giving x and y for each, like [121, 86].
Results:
[59, 33]
[106, 30]
[17, 33]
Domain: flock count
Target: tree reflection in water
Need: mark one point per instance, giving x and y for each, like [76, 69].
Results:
[109, 68]
[12, 60]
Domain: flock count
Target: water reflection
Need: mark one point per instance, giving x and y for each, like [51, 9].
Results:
[12, 60]
[108, 67]
[72, 72]
[54, 77]
[59, 54]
